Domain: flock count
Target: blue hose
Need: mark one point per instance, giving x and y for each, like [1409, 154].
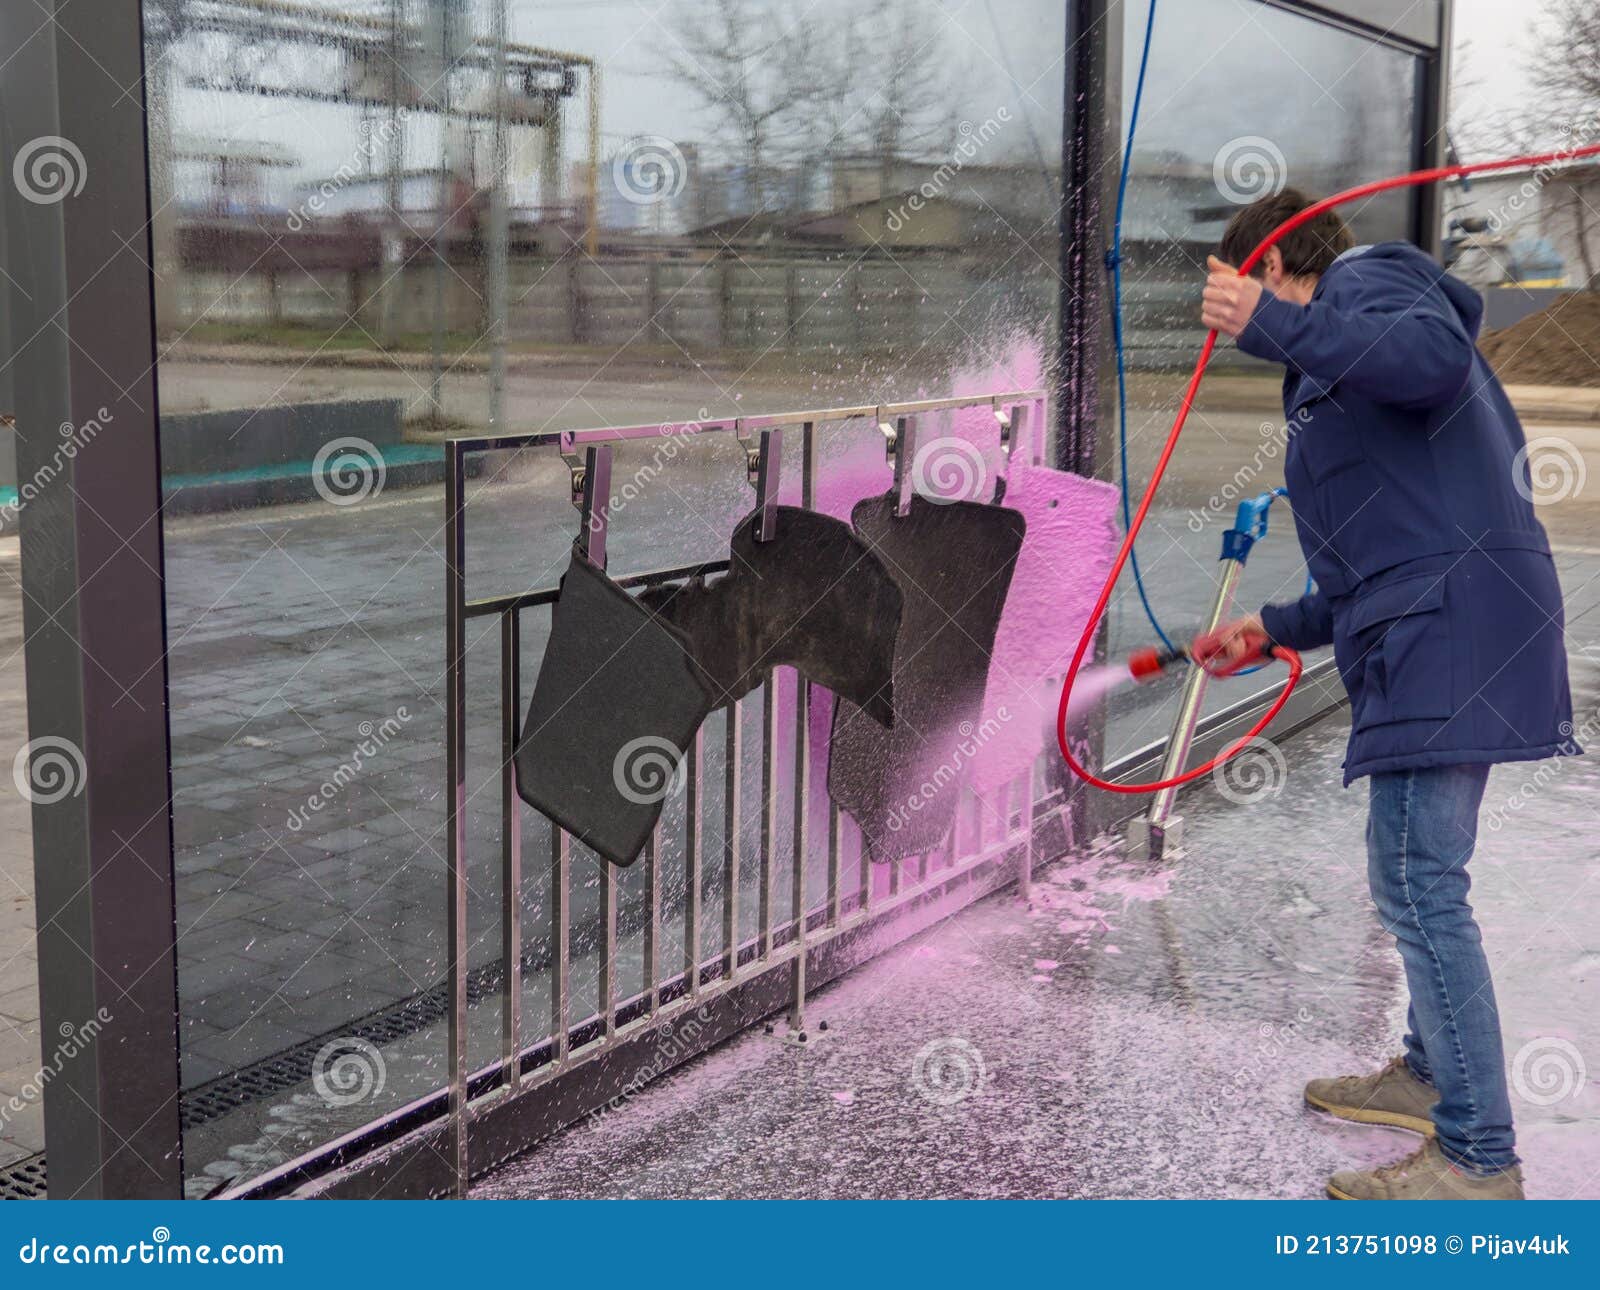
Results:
[1114, 263]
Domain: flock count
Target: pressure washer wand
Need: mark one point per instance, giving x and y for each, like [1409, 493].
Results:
[1159, 829]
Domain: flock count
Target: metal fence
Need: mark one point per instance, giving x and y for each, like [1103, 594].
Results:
[555, 1068]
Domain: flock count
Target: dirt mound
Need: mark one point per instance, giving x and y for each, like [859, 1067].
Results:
[1559, 345]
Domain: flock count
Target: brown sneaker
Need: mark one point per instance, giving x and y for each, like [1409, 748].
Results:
[1426, 1175]
[1392, 1096]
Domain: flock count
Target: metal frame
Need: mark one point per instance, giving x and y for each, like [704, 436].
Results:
[1092, 142]
[94, 609]
[1417, 25]
[782, 960]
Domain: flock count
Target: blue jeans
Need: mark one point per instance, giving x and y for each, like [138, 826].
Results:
[1421, 830]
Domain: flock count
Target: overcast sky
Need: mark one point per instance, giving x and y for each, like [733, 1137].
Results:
[1494, 71]
[1009, 56]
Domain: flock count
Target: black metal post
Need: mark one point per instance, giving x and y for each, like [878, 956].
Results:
[1433, 143]
[1088, 190]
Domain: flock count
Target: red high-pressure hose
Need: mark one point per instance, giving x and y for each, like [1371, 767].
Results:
[1288, 656]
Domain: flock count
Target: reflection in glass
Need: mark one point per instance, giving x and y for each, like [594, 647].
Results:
[1240, 100]
[379, 224]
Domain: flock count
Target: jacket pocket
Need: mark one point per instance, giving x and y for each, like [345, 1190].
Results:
[1401, 639]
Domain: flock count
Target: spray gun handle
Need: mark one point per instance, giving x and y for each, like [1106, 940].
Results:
[1267, 651]
[1249, 524]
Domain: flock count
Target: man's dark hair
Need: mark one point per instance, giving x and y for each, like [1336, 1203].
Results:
[1309, 249]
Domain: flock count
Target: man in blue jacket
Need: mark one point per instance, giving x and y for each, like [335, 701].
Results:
[1408, 474]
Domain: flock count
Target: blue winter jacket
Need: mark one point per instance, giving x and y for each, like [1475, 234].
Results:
[1408, 473]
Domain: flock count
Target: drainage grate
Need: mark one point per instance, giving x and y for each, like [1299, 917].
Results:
[23, 1180]
[294, 1065]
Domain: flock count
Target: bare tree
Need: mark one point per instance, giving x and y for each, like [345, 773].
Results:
[876, 81]
[1567, 64]
[908, 106]
[753, 65]
[1559, 202]
[1567, 68]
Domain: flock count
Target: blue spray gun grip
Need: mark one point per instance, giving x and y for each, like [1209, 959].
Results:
[1249, 525]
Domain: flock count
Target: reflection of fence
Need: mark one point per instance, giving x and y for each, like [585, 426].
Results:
[614, 302]
[558, 1067]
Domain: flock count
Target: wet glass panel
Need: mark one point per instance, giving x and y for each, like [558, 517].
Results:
[381, 225]
[1241, 99]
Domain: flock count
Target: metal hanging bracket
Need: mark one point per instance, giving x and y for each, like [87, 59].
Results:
[763, 467]
[900, 450]
[591, 494]
[1014, 432]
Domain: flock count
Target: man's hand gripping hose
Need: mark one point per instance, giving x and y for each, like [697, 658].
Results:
[1280, 652]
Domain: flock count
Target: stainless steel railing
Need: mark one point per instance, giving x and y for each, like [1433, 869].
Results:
[565, 1041]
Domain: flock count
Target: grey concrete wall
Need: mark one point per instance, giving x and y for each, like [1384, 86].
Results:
[734, 304]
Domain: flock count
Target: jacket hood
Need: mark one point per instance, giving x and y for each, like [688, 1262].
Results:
[1402, 257]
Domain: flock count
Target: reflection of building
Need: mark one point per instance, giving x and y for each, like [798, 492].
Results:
[1174, 216]
[230, 176]
[1018, 190]
[1531, 227]
[650, 190]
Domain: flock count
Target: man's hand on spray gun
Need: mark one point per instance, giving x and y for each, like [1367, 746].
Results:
[1232, 646]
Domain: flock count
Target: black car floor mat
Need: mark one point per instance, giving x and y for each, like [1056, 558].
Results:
[953, 562]
[618, 699]
[813, 597]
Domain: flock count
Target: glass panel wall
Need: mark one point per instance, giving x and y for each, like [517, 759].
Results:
[668, 212]
[1241, 99]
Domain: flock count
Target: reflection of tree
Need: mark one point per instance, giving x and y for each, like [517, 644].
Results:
[1566, 114]
[786, 91]
[1567, 68]
[893, 80]
[754, 67]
